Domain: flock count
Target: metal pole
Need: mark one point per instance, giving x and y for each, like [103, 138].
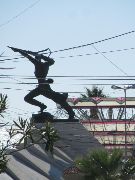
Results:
[125, 125]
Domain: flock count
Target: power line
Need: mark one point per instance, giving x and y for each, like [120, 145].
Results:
[116, 79]
[101, 84]
[1, 54]
[19, 14]
[10, 77]
[78, 55]
[103, 52]
[70, 92]
[89, 44]
[9, 59]
[121, 70]
[96, 42]
[84, 45]
[61, 76]
[33, 83]
[2, 68]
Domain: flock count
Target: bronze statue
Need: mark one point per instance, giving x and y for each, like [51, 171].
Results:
[42, 64]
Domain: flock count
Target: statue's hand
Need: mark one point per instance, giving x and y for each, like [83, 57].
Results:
[50, 80]
[39, 56]
[14, 49]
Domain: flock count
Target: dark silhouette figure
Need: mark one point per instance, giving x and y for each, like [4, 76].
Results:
[43, 88]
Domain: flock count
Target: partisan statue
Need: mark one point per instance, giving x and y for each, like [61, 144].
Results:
[42, 64]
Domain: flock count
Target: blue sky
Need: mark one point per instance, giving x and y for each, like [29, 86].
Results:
[63, 24]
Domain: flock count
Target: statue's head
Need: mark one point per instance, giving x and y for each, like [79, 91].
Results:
[38, 57]
[41, 58]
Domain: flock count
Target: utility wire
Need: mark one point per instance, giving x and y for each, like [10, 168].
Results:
[96, 42]
[33, 83]
[19, 14]
[10, 77]
[84, 45]
[78, 79]
[78, 55]
[103, 52]
[121, 70]
[101, 84]
[89, 44]
[8, 59]
[13, 18]
[1, 54]
[116, 79]
[70, 92]
[2, 68]
[70, 76]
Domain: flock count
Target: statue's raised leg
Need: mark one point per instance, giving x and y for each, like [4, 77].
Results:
[29, 98]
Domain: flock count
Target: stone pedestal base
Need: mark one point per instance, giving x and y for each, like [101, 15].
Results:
[42, 117]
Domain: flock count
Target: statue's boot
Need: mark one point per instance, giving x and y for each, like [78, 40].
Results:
[65, 96]
[71, 115]
[42, 107]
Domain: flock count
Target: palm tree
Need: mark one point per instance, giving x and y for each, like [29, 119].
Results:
[95, 92]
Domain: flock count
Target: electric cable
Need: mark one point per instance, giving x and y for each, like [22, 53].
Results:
[114, 79]
[75, 47]
[67, 76]
[70, 84]
[89, 44]
[101, 84]
[2, 68]
[96, 42]
[103, 52]
[121, 70]
[9, 59]
[78, 55]
[19, 14]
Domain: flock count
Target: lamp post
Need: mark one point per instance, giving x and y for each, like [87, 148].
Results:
[125, 93]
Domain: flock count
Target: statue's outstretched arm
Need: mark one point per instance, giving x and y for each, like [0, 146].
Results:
[25, 54]
[33, 60]
[26, 51]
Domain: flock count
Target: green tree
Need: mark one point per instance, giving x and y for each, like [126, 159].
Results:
[3, 159]
[94, 92]
[29, 135]
[102, 165]
[3, 103]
